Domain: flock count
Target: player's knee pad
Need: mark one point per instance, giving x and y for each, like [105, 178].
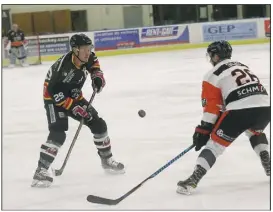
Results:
[57, 137]
[258, 140]
[97, 126]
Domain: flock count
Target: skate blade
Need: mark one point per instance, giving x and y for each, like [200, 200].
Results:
[114, 172]
[186, 191]
[267, 172]
[40, 184]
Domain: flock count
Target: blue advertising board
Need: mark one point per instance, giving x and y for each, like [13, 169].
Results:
[164, 35]
[116, 39]
[231, 31]
[48, 46]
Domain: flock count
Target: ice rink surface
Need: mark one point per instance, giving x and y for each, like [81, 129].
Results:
[167, 86]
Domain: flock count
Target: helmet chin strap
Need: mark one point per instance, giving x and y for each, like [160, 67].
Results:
[78, 56]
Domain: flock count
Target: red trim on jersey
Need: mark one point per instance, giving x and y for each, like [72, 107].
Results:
[46, 94]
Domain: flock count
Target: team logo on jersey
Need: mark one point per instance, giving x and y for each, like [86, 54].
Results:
[75, 93]
[204, 102]
[80, 80]
[69, 76]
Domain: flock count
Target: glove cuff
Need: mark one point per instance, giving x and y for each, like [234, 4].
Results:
[202, 131]
[207, 125]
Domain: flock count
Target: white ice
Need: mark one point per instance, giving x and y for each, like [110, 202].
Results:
[166, 85]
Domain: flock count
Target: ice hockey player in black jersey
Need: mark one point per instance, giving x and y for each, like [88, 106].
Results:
[17, 50]
[63, 98]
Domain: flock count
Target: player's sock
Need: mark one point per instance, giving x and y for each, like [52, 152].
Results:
[259, 144]
[103, 144]
[48, 153]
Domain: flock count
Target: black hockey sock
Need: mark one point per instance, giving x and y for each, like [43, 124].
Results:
[48, 153]
[259, 143]
[102, 142]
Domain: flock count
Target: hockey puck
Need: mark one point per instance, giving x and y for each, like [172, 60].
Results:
[141, 113]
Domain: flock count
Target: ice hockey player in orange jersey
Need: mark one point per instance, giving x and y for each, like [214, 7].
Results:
[234, 101]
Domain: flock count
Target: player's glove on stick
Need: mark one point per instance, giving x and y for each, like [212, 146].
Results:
[98, 81]
[202, 135]
[79, 109]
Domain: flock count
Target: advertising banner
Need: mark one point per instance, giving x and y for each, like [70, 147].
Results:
[48, 46]
[117, 39]
[164, 35]
[232, 31]
[267, 28]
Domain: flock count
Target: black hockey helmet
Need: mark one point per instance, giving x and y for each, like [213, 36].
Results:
[220, 48]
[78, 40]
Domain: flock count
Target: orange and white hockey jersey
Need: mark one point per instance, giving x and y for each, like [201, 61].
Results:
[231, 86]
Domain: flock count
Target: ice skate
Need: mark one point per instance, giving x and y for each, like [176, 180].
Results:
[23, 63]
[265, 159]
[189, 185]
[41, 178]
[112, 166]
[11, 66]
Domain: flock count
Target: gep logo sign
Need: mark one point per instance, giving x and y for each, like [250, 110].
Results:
[221, 29]
[229, 31]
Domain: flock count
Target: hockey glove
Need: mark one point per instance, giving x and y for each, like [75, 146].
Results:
[202, 135]
[98, 81]
[80, 111]
[79, 108]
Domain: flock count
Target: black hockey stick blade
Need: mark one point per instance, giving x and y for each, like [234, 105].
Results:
[101, 200]
[57, 172]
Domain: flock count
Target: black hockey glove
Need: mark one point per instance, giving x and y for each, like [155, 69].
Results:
[202, 135]
[98, 81]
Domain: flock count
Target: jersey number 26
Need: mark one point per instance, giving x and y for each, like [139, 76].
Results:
[244, 76]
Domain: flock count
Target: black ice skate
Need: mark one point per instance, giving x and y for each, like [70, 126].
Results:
[112, 166]
[41, 178]
[265, 159]
[189, 185]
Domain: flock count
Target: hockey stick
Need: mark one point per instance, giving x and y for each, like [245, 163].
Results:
[58, 172]
[105, 201]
